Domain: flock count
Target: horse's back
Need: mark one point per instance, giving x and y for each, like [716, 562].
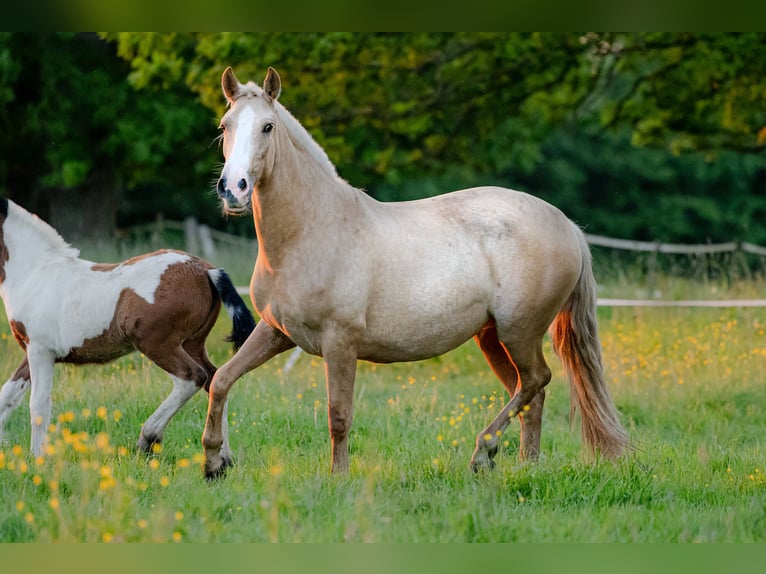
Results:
[165, 293]
[444, 266]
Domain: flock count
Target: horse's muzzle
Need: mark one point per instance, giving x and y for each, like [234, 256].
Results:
[232, 205]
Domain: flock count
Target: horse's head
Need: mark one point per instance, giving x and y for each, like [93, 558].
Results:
[247, 133]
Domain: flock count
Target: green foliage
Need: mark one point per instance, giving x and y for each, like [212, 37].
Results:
[613, 189]
[76, 127]
[411, 115]
[692, 91]
[126, 121]
[386, 107]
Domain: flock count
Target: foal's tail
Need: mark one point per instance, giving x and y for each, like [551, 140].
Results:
[242, 319]
[575, 340]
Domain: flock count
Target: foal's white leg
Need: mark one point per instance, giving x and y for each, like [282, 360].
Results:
[154, 427]
[11, 394]
[41, 362]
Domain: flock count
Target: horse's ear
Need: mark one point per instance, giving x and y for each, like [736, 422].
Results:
[272, 85]
[230, 84]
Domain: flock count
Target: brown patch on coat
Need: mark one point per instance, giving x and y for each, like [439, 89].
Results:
[20, 333]
[103, 266]
[22, 371]
[184, 311]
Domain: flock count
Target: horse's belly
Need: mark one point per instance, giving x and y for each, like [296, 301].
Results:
[412, 337]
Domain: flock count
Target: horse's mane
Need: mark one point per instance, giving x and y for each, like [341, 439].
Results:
[303, 138]
[297, 132]
[47, 233]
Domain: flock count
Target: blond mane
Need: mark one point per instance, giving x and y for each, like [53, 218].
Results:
[303, 138]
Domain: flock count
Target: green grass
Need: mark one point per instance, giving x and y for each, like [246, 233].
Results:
[689, 383]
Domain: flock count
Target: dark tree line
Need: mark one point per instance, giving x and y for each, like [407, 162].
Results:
[645, 136]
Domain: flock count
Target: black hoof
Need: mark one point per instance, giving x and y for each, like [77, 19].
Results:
[477, 468]
[219, 471]
[146, 444]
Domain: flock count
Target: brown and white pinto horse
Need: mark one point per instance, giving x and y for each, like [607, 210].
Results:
[65, 309]
[347, 277]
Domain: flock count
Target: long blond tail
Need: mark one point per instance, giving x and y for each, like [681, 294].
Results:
[575, 340]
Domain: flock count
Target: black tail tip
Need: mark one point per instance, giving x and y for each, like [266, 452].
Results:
[241, 331]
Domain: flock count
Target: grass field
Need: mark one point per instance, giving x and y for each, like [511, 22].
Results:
[689, 383]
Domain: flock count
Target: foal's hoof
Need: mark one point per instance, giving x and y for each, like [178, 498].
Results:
[481, 463]
[147, 444]
[217, 469]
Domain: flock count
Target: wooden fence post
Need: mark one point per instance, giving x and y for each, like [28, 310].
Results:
[190, 236]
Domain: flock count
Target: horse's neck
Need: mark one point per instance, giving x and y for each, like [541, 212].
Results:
[302, 200]
[32, 243]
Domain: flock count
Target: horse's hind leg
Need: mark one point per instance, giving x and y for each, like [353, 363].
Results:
[187, 376]
[524, 373]
[12, 392]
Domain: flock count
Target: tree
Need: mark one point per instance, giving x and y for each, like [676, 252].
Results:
[79, 138]
[689, 92]
[387, 107]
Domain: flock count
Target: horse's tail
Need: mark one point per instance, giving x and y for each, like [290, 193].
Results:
[242, 319]
[575, 340]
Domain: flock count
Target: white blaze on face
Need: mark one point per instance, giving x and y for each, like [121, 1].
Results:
[238, 160]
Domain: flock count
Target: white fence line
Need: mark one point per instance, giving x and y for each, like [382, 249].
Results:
[657, 247]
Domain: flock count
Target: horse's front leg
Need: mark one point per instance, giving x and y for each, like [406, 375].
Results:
[12, 392]
[340, 372]
[41, 362]
[262, 344]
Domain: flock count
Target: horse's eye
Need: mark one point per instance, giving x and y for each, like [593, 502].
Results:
[267, 128]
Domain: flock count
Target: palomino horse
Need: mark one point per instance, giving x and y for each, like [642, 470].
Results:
[346, 277]
[68, 310]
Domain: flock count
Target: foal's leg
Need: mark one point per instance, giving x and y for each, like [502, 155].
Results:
[340, 372]
[153, 429]
[187, 376]
[262, 344]
[12, 392]
[41, 363]
[533, 375]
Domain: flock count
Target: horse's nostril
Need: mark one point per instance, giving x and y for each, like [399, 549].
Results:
[221, 187]
[242, 184]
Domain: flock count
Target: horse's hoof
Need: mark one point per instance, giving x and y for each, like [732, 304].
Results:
[214, 471]
[146, 444]
[482, 463]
